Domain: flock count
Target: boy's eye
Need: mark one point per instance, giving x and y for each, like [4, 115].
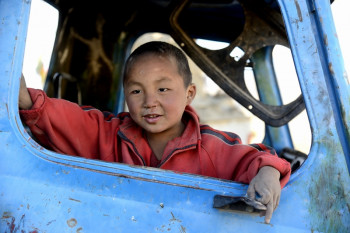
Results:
[163, 89]
[135, 92]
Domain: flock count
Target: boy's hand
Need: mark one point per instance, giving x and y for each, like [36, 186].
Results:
[24, 100]
[266, 184]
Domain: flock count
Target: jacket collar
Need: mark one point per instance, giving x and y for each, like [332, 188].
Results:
[134, 134]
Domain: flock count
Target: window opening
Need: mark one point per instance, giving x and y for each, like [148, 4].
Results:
[341, 20]
[237, 53]
[290, 89]
[41, 35]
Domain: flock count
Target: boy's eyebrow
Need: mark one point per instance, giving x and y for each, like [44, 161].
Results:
[161, 79]
[130, 82]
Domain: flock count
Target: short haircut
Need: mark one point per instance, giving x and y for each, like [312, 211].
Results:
[163, 49]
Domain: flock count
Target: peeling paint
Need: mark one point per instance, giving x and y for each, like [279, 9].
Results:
[65, 172]
[173, 219]
[8, 111]
[331, 70]
[50, 222]
[329, 200]
[325, 40]
[11, 223]
[72, 199]
[6, 215]
[300, 16]
[182, 229]
[72, 222]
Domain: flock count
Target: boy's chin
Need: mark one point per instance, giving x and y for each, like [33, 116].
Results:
[152, 130]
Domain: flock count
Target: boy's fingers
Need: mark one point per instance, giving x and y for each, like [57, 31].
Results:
[269, 212]
[251, 191]
[265, 197]
[277, 202]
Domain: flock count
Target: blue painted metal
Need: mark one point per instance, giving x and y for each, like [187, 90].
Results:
[42, 191]
[336, 78]
[269, 93]
[323, 180]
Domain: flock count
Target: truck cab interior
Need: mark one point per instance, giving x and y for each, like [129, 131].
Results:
[94, 39]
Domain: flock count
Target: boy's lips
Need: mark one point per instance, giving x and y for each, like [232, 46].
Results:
[152, 118]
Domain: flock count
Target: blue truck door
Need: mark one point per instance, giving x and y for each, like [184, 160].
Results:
[43, 191]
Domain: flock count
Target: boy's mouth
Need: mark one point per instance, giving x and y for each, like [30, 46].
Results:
[151, 118]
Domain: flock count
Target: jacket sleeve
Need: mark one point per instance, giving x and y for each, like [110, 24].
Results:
[257, 156]
[241, 163]
[67, 128]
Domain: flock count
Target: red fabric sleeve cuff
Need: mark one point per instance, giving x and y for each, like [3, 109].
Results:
[280, 164]
[31, 116]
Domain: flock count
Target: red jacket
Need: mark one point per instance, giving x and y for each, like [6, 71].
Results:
[87, 132]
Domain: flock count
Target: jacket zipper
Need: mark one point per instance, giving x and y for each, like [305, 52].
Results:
[173, 152]
[133, 146]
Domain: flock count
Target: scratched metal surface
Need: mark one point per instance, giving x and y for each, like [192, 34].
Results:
[42, 191]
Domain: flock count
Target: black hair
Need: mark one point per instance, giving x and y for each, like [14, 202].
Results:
[162, 49]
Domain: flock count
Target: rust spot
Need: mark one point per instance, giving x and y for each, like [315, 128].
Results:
[80, 229]
[50, 222]
[12, 225]
[298, 11]
[6, 215]
[65, 172]
[182, 229]
[330, 66]
[8, 112]
[325, 40]
[173, 219]
[72, 222]
[72, 199]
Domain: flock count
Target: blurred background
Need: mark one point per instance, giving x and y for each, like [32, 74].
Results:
[212, 104]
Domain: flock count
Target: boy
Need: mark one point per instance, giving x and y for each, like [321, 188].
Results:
[161, 130]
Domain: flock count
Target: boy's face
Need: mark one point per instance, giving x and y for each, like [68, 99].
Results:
[156, 95]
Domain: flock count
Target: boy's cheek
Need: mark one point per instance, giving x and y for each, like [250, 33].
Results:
[131, 103]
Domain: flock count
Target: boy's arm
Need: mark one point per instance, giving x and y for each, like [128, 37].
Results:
[66, 128]
[257, 165]
[24, 100]
[267, 185]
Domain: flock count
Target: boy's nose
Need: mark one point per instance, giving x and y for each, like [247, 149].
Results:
[150, 101]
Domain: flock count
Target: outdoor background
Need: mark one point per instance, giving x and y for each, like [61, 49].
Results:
[214, 107]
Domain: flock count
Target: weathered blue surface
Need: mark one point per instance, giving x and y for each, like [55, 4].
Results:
[42, 191]
[269, 93]
[323, 181]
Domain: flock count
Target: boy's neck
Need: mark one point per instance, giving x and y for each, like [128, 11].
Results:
[159, 141]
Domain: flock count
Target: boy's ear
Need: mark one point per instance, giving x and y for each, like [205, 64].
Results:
[191, 93]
